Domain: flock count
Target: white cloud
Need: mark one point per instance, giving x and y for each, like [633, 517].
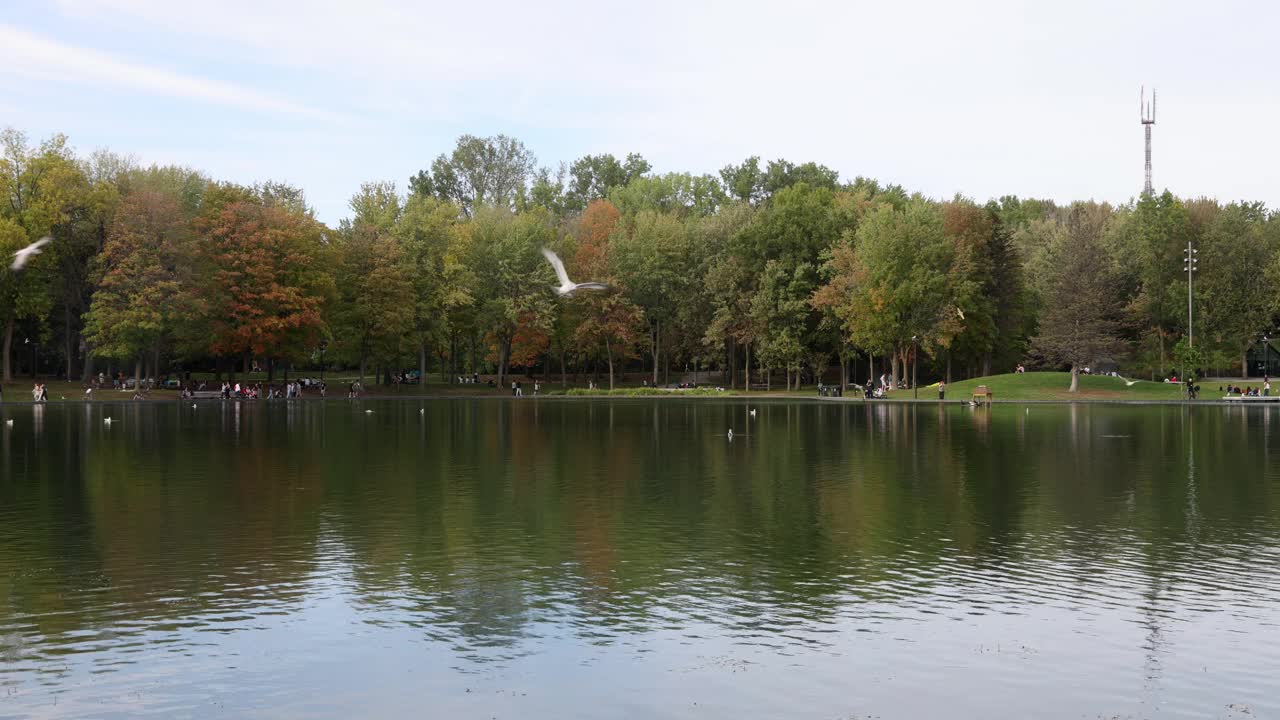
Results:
[28, 54]
[988, 98]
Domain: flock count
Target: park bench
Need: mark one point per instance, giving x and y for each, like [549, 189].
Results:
[983, 393]
[206, 394]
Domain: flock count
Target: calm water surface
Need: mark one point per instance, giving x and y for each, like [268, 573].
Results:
[592, 559]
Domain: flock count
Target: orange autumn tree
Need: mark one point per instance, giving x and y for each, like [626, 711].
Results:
[263, 285]
[607, 322]
[529, 343]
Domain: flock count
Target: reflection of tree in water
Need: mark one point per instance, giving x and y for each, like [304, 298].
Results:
[486, 524]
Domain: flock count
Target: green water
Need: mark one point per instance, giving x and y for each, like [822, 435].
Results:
[617, 559]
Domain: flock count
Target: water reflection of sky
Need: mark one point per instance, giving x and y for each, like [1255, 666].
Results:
[592, 560]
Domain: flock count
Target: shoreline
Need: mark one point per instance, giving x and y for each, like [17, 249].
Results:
[675, 394]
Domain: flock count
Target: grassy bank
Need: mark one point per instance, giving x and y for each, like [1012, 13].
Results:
[646, 392]
[1051, 386]
[1054, 385]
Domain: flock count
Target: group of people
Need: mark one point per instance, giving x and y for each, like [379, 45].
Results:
[1264, 391]
[39, 393]
[289, 391]
[517, 388]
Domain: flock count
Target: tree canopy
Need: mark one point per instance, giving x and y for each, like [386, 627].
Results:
[766, 271]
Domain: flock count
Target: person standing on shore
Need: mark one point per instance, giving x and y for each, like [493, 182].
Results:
[942, 389]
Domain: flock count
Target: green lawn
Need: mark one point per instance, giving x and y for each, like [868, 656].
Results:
[1053, 386]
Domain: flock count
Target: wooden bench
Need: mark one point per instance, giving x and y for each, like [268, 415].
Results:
[983, 393]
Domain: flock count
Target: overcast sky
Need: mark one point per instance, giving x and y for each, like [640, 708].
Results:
[986, 99]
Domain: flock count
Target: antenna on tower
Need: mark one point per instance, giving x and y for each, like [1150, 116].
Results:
[1147, 114]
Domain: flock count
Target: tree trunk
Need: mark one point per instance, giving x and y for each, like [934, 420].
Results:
[271, 370]
[1075, 378]
[746, 384]
[657, 339]
[562, 370]
[363, 366]
[731, 367]
[844, 374]
[504, 352]
[948, 366]
[1160, 333]
[8, 348]
[422, 363]
[1244, 365]
[137, 374]
[608, 349]
[68, 341]
[86, 370]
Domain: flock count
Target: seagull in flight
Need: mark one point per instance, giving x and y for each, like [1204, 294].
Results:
[21, 257]
[568, 287]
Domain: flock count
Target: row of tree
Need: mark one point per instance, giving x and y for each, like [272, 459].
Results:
[767, 272]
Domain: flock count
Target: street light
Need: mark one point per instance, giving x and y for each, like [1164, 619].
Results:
[1266, 354]
[1190, 263]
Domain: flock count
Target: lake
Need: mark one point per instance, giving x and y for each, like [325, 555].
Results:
[555, 558]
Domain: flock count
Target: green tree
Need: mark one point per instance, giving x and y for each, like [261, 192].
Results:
[512, 279]
[136, 303]
[1238, 268]
[892, 289]
[1155, 236]
[479, 171]
[428, 232]
[593, 177]
[1081, 321]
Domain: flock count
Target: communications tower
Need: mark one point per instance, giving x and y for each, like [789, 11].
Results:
[1147, 113]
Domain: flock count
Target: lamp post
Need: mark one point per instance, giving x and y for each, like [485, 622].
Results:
[1190, 263]
[1266, 354]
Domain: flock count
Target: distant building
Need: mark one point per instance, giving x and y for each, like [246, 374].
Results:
[1264, 359]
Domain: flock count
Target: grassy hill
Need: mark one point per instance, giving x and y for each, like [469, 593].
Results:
[1053, 386]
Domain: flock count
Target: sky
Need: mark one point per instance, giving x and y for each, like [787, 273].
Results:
[984, 98]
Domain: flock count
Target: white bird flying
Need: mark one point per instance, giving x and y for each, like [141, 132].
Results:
[568, 287]
[106, 421]
[730, 435]
[8, 423]
[960, 313]
[21, 257]
[752, 412]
